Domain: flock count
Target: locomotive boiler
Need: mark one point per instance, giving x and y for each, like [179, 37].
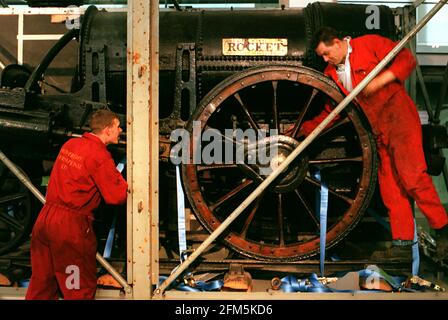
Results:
[223, 69]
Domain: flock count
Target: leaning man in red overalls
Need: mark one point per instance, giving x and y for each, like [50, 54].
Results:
[395, 124]
[63, 244]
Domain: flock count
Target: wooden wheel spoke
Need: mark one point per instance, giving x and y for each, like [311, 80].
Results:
[252, 122]
[244, 169]
[299, 120]
[230, 194]
[215, 167]
[335, 126]
[280, 219]
[224, 137]
[307, 209]
[250, 218]
[330, 190]
[336, 160]
[275, 107]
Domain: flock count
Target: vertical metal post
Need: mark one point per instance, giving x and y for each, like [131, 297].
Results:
[284, 3]
[416, 75]
[142, 145]
[154, 142]
[20, 39]
[408, 24]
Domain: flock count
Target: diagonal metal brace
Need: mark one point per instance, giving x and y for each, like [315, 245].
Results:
[161, 289]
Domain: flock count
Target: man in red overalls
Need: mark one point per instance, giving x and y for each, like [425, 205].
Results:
[63, 244]
[395, 123]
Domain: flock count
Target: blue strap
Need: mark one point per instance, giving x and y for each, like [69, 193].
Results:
[312, 284]
[111, 235]
[181, 218]
[200, 285]
[291, 284]
[415, 252]
[110, 239]
[323, 210]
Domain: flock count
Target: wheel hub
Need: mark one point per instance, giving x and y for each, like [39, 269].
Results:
[263, 157]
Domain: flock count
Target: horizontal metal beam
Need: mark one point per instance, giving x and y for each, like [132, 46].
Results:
[103, 2]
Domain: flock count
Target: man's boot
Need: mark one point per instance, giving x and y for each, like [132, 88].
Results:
[442, 243]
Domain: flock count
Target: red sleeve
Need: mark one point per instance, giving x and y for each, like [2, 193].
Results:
[403, 63]
[112, 186]
[309, 125]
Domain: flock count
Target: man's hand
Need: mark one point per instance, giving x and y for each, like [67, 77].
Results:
[290, 131]
[378, 82]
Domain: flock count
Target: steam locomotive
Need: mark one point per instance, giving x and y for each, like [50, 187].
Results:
[224, 69]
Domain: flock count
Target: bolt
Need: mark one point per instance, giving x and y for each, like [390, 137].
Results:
[140, 206]
[276, 283]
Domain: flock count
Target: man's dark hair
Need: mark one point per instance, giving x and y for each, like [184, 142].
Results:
[325, 35]
[101, 119]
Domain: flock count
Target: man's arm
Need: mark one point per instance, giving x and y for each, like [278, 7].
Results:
[110, 182]
[309, 125]
[378, 82]
[400, 68]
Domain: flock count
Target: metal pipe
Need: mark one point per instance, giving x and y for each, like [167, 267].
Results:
[51, 54]
[442, 95]
[445, 173]
[421, 81]
[21, 176]
[299, 149]
[176, 5]
[24, 179]
[114, 273]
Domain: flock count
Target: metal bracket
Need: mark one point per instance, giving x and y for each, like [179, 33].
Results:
[185, 79]
[184, 82]
[96, 72]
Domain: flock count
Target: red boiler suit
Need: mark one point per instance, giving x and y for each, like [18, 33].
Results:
[63, 244]
[396, 126]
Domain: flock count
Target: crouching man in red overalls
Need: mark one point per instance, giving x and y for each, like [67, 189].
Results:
[395, 123]
[63, 244]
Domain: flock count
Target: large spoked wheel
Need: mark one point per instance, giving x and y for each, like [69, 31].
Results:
[282, 224]
[16, 215]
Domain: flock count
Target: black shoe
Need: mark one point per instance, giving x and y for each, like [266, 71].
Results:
[442, 243]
